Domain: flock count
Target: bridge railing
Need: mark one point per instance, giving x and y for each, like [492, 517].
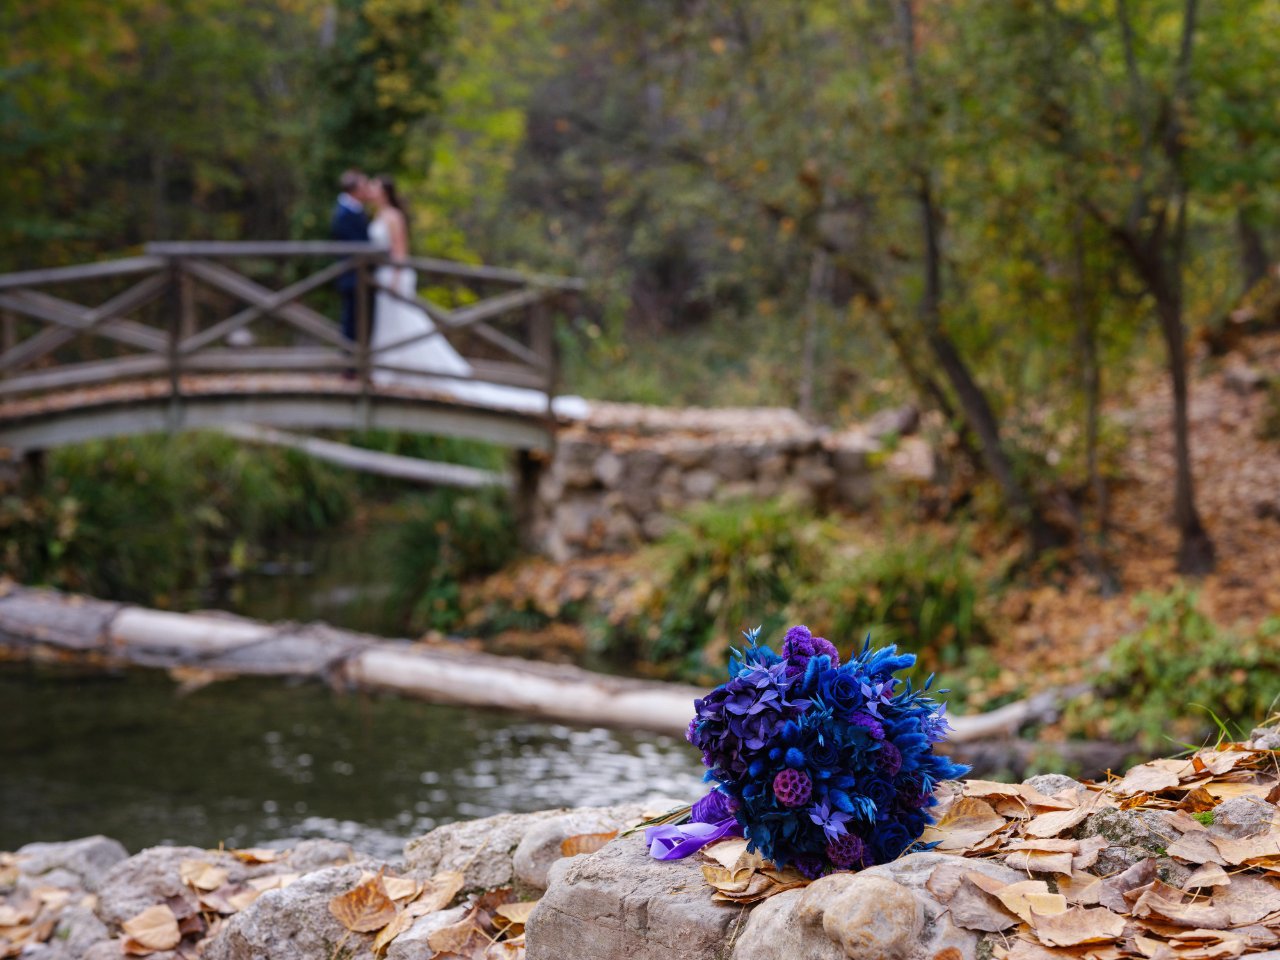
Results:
[186, 308]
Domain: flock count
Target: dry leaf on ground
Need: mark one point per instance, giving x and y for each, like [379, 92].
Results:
[364, 908]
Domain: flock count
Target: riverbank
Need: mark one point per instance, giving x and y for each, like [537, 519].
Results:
[206, 647]
[1178, 859]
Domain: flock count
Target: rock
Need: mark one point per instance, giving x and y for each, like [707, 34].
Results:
[620, 902]
[621, 531]
[308, 855]
[898, 421]
[88, 859]
[731, 463]
[700, 484]
[882, 912]
[656, 526]
[1265, 738]
[540, 846]
[574, 462]
[1052, 783]
[79, 929]
[481, 849]
[1243, 817]
[775, 930]
[914, 460]
[1130, 839]
[609, 469]
[1243, 379]
[412, 944]
[873, 918]
[293, 923]
[152, 877]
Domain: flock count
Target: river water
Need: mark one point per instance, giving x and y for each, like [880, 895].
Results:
[250, 760]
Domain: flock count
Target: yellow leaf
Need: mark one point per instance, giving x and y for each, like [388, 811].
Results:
[402, 922]
[364, 908]
[585, 843]
[517, 912]
[402, 888]
[154, 929]
[201, 875]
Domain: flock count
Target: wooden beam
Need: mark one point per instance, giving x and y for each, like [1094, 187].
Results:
[87, 271]
[229, 281]
[83, 374]
[218, 249]
[43, 306]
[412, 469]
[268, 305]
[244, 359]
[467, 271]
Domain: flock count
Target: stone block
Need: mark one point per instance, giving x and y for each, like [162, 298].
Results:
[482, 849]
[622, 903]
[700, 485]
[88, 859]
[609, 469]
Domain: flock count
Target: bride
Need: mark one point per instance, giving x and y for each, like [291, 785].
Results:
[407, 349]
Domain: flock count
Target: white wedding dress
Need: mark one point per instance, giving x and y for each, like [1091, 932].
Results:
[407, 350]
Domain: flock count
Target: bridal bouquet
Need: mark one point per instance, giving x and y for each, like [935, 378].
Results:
[821, 765]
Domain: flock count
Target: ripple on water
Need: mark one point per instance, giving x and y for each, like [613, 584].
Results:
[251, 760]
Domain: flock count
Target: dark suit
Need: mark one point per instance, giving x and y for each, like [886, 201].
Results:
[349, 225]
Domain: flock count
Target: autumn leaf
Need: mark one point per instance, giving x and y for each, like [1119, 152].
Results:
[364, 908]
[968, 823]
[437, 893]
[1076, 926]
[201, 875]
[585, 843]
[154, 929]
[398, 925]
[517, 912]
[252, 855]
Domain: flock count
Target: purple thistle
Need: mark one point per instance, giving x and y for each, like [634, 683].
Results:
[890, 759]
[793, 788]
[846, 852]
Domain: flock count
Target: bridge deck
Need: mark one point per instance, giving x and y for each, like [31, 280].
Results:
[306, 400]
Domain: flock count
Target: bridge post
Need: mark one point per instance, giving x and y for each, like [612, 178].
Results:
[173, 304]
[528, 473]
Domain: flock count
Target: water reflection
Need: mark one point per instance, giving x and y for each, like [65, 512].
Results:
[255, 759]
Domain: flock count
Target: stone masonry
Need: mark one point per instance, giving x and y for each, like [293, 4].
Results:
[619, 478]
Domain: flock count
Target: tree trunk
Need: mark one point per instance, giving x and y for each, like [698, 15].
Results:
[1253, 251]
[973, 401]
[1195, 548]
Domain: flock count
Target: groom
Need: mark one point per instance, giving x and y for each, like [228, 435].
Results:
[350, 223]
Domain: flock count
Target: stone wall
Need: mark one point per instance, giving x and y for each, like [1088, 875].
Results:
[619, 478]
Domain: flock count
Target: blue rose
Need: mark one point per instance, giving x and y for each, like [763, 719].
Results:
[888, 840]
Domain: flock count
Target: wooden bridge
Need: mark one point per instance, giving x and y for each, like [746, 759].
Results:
[204, 335]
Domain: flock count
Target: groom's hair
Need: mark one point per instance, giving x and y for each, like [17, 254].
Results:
[349, 180]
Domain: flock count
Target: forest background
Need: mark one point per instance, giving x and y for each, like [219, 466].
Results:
[1024, 217]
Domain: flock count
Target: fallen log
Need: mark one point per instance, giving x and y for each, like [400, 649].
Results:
[46, 623]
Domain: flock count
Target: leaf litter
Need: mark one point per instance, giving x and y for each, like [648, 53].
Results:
[1210, 892]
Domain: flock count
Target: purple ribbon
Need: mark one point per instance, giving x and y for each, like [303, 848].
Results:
[674, 842]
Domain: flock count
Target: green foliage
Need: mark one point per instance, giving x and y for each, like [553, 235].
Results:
[1179, 671]
[924, 594]
[144, 518]
[723, 569]
[447, 537]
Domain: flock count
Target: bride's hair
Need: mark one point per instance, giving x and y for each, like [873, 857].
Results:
[393, 198]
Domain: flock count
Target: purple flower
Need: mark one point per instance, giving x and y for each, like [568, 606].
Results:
[878, 695]
[831, 821]
[714, 807]
[936, 725]
[799, 645]
[872, 725]
[890, 759]
[846, 852]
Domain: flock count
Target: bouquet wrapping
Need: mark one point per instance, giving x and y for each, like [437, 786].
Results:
[821, 765]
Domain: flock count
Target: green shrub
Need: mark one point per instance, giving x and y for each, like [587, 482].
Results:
[1172, 676]
[142, 518]
[924, 595]
[448, 537]
[724, 568]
